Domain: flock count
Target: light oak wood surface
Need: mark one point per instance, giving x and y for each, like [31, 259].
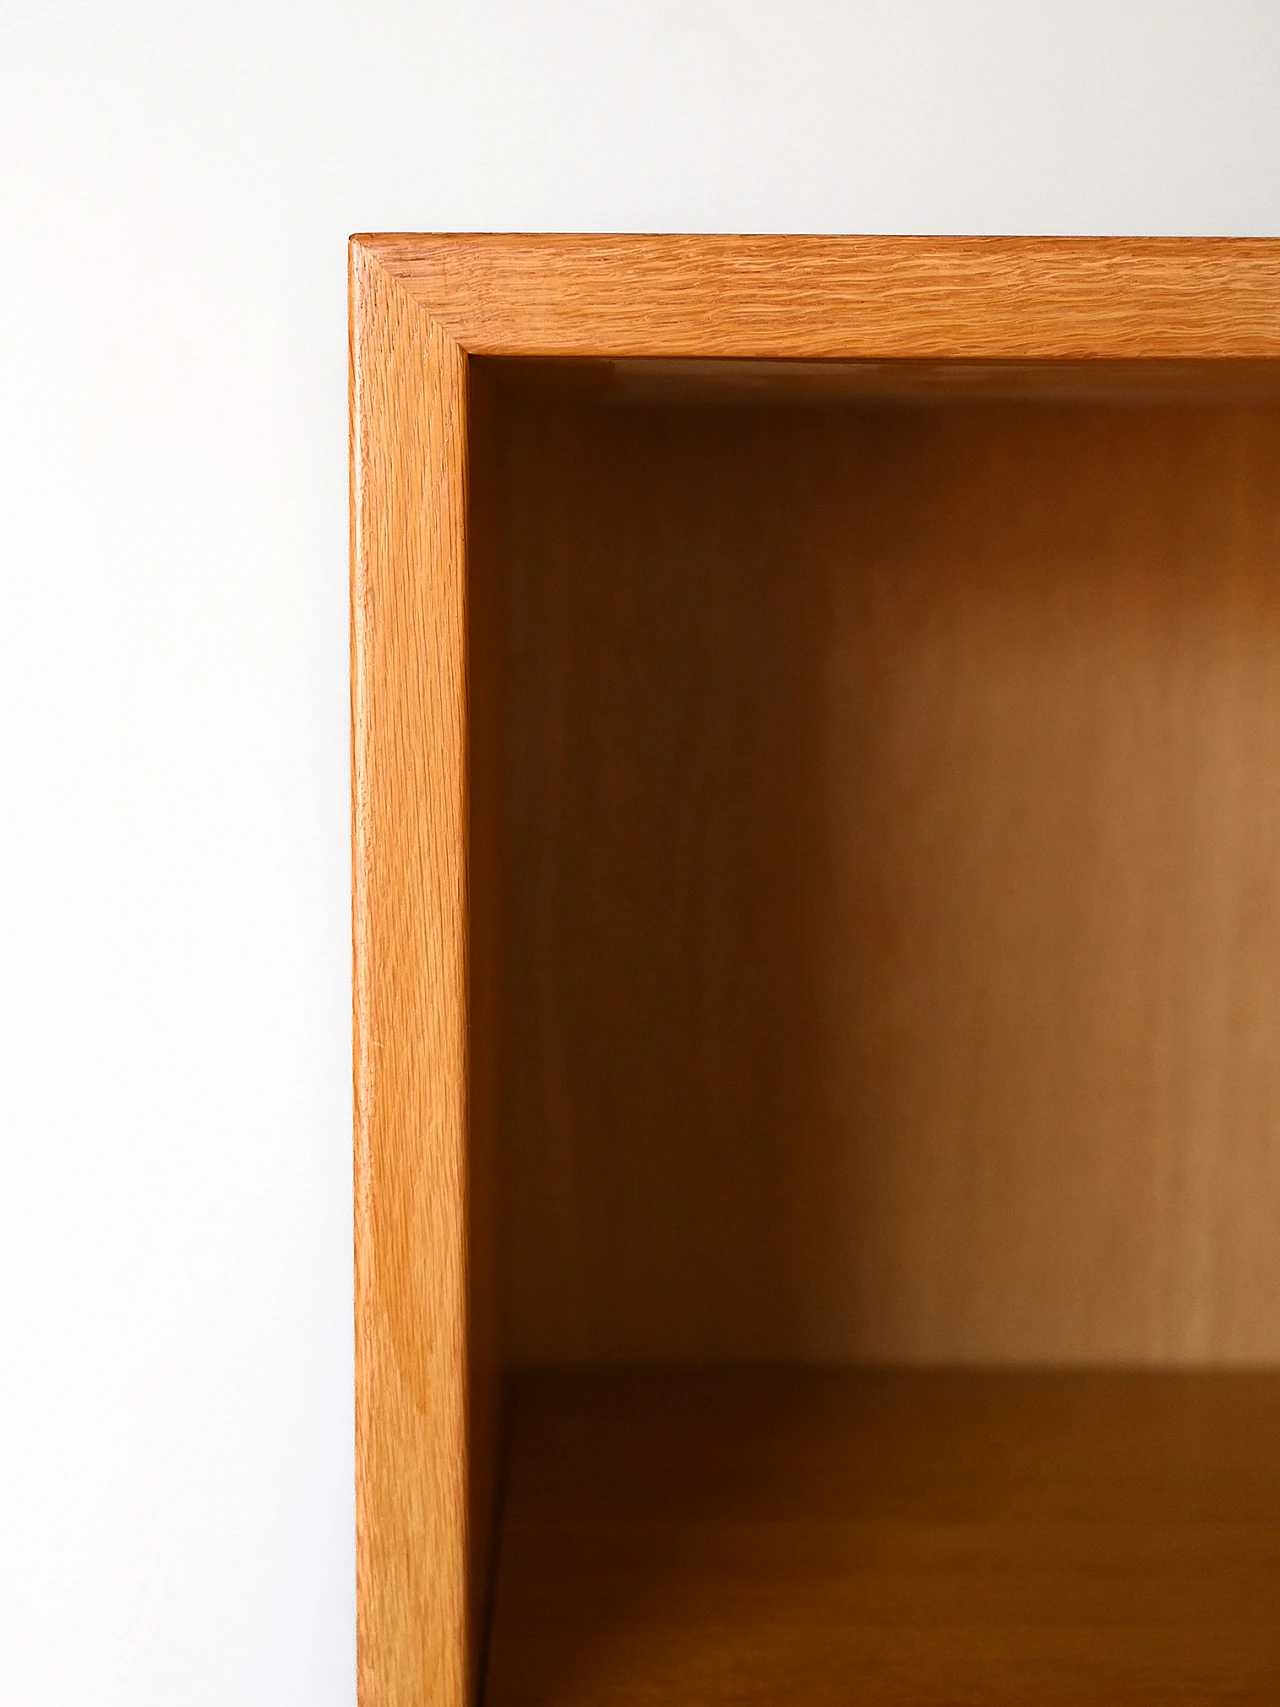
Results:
[1154, 701]
[847, 297]
[939, 1539]
[409, 782]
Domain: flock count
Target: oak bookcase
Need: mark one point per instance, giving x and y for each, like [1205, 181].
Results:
[817, 970]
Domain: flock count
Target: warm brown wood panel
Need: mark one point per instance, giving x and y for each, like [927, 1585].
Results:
[409, 781]
[821, 858]
[848, 297]
[895, 1540]
[893, 927]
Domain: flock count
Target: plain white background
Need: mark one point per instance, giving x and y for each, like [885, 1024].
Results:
[178, 183]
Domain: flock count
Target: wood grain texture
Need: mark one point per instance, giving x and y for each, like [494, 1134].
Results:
[893, 915]
[846, 297]
[409, 476]
[434, 865]
[892, 1539]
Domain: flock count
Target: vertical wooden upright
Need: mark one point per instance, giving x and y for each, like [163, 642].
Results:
[409, 776]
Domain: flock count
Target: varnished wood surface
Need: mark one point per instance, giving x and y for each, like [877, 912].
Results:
[890, 1539]
[848, 297]
[430, 856]
[893, 883]
[413, 1459]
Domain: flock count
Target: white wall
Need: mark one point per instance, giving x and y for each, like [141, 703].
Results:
[176, 189]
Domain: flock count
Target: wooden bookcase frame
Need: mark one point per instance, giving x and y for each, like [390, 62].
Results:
[421, 307]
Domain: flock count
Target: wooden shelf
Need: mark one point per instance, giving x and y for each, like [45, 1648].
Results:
[816, 727]
[889, 1537]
